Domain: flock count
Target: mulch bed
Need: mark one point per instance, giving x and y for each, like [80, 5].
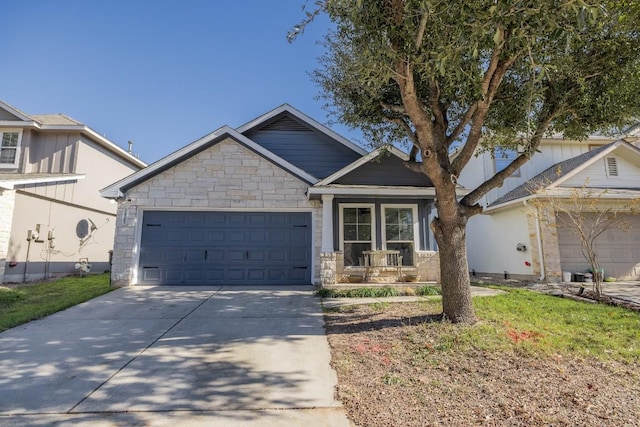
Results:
[390, 375]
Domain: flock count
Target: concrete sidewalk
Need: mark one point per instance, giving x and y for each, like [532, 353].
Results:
[172, 357]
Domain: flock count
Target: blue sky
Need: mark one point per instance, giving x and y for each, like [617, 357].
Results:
[159, 73]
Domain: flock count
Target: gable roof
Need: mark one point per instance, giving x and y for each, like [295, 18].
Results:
[61, 122]
[364, 160]
[117, 189]
[288, 109]
[560, 172]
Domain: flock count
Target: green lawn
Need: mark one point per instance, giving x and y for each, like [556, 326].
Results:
[533, 323]
[33, 301]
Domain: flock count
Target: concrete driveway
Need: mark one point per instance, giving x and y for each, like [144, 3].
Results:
[173, 356]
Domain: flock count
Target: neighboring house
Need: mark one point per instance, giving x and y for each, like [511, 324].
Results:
[515, 237]
[51, 214]
[279, 200]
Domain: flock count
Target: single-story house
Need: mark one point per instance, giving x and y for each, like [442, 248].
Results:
[280, 200]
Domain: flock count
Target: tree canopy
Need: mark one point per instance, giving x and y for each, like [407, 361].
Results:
[470, 75]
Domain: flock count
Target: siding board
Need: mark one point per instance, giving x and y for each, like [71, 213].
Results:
[386, 170]
[304, 147]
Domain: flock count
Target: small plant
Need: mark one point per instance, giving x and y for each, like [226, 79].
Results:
[10, 296]
[428, 290]
[387, 291]
[325, 293]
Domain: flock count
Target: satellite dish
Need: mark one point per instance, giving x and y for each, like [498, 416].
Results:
[82, 229]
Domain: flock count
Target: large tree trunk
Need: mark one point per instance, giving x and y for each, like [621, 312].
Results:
[450, 232]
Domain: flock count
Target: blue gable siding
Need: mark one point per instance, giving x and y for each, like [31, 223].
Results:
[385, 170]
[302, 146]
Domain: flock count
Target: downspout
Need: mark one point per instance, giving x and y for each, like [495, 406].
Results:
[539, 241]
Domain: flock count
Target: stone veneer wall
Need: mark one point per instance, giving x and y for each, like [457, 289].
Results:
[428, 264]
[427, 267]
[550, 245]
[7, 204]
[224, 176]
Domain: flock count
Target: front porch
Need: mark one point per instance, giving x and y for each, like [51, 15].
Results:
[334, 272]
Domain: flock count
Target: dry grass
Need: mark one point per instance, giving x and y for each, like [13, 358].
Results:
[399, 365]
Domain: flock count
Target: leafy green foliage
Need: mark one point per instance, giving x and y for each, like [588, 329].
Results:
[34, 301]
[428, 290]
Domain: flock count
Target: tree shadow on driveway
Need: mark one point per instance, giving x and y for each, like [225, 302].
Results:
[158, 350]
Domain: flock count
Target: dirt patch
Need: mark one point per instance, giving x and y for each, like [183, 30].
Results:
[394, 371]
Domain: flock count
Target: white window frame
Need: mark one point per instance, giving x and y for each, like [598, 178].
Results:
[496, 158]
[16, 161]
[416, 224]
[372, 207]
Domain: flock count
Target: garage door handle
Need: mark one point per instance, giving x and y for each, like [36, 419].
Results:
[206, 252]
[300, 226]
[299, 268]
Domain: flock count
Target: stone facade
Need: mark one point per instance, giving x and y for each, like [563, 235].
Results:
[7, 204]
[427, 268]
[550, 245]
[226, 175]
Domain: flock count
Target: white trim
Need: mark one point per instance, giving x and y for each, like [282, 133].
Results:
[16, 160]
[416, 225]
[363, 160]
[115, 189]
[303, 117]
[10, 184]
[566, 193]
[140, 215]
[341, 207]
[19, 114]
[361, 190]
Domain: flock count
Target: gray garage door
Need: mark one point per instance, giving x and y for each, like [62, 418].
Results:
[618, 250]
[225, 248]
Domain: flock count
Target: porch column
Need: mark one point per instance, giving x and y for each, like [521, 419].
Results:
[327, 223]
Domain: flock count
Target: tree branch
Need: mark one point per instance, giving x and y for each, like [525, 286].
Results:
[491, 84]
[421, 30]
[498, 179]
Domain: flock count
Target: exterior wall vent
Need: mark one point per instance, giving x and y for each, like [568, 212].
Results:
[612, 166]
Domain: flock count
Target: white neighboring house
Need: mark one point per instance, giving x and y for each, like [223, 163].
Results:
[51, 214]
[512, 238]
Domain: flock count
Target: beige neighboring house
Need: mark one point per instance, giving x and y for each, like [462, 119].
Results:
[52, 217]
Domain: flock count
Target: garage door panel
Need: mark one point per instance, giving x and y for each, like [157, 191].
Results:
[236, 274]
[298, 274]
[256, 274]
[193, 248]
[215, 255]
[277, 255]
[278, 237]
[194, 255]
[298, 257]
[618, 250]
[151, 274]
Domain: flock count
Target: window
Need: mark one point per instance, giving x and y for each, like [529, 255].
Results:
[503, 158]
[400, 229]
[9, 148]
[611, 165]
[357, 231]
